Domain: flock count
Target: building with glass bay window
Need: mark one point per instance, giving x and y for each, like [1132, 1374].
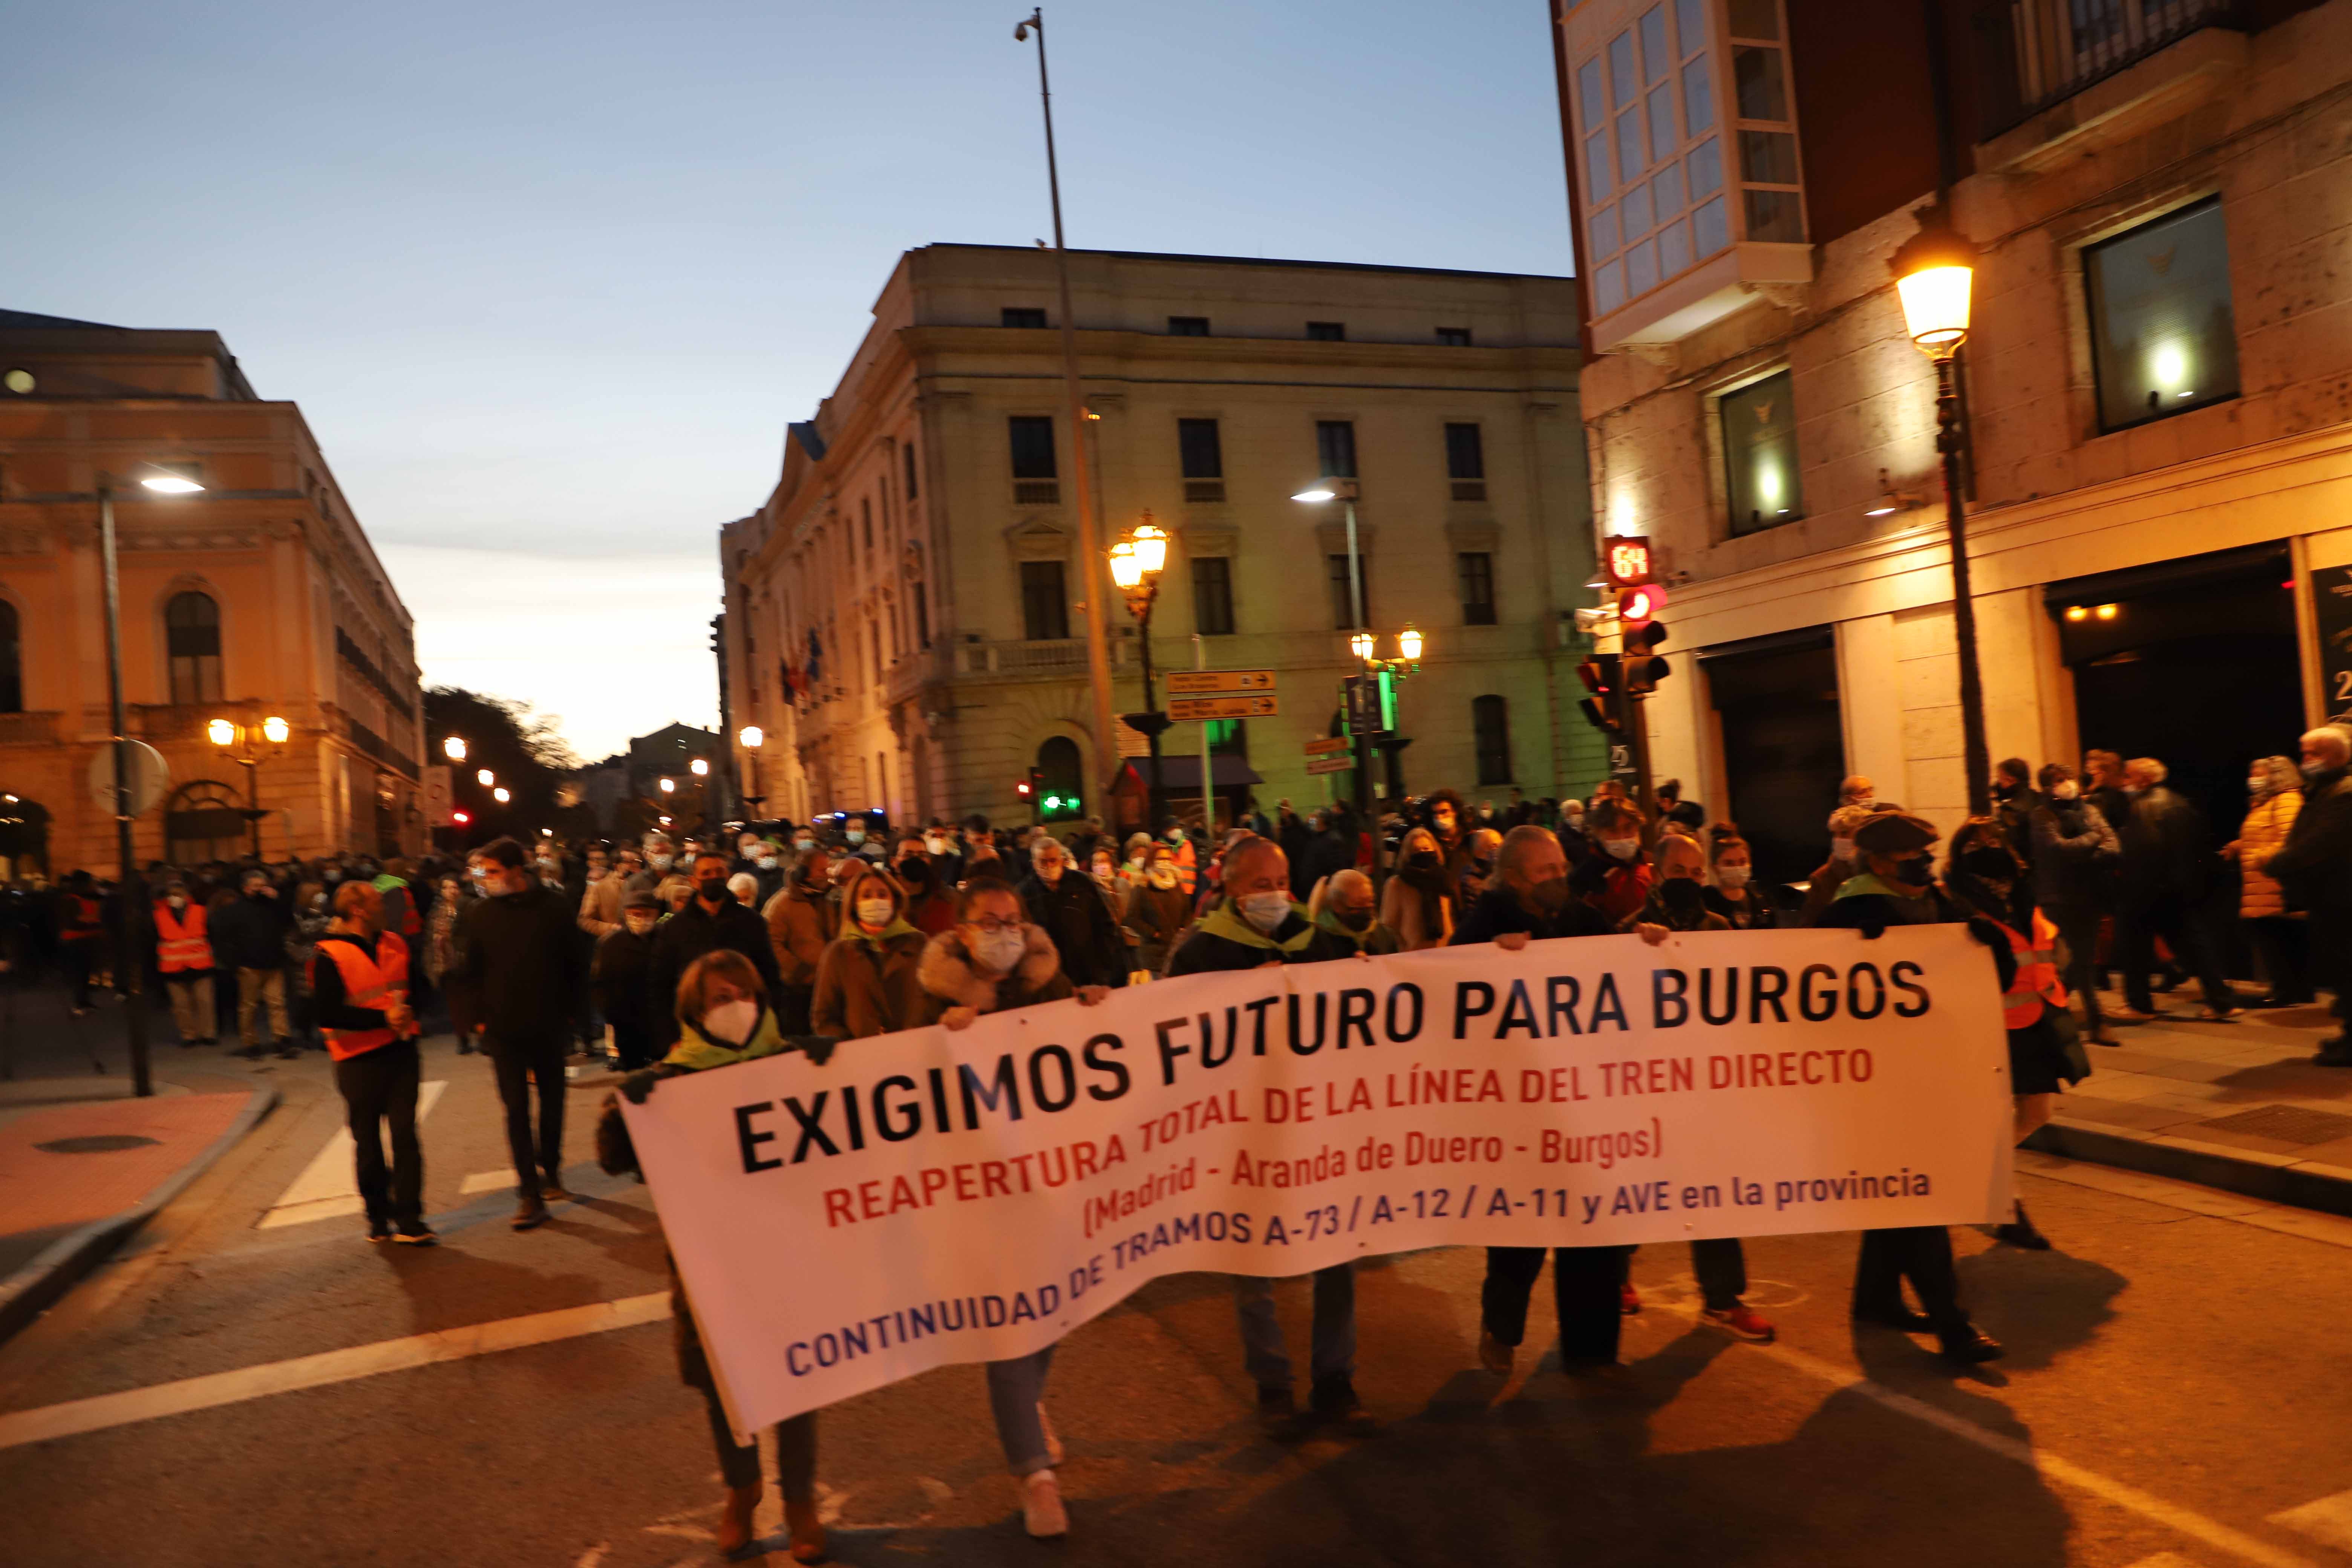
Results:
[2157, 383]
[902, 619]
[257, 596]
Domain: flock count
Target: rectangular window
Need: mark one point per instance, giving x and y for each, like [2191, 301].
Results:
[1035, 475]
[922, 596]
[1203, 460]
[1454, 337]
[1045, 605]
[1490, 717]
[1465, 462]
[1759, 455]
[1029, 316]
[1188, 326]
[1343, 614]
[1476, 570]
[1327, 331]
[1213, 595]
[1334, 447]
[866, 509]
[909, 450]
[2163, 339]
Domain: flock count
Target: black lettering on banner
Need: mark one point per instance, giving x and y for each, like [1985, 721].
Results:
[1397, 1032]
[1463, 1011]
[1766, 983]
[812, 1125]
[940, 1101]
[1561, 1011]
[1003, 1089]
[1210, 1056]
[1669, 1003]
[1168, 1050]
[856, 1116]
[1903, 975]
[1519, 1012]
[751, 1141]
[1069, 1089]
[1817, 1004]
[1117, 1071]
[1356, 1005]
[1854, 991]
[1257, 1011]
[886, 1116]
[1299, 1047]
[1607, 1004]
[1731, 995]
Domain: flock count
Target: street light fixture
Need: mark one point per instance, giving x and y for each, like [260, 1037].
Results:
[453, 748]
[699, 767]
[501, 795]
[484, 778]
[1136, 563]
[668, 786]
[1333, 487]
[242, 744]
[751, 738]
[134, 899]
[1934, 270]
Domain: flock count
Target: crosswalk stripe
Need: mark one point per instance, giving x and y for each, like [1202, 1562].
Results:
[54, 1421]
[487, 1181]
[327, 1186]
[2328, 1520]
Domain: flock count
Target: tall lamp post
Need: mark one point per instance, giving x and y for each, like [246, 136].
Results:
[1136, 563]
[132, 896]
[751, 738]
[240, 744]
[1933, 273]
[1090, 537]
[1321, 492]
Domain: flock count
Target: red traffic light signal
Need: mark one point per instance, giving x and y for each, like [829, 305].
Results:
[1600, 675]
[1023, 787]
[1626, 557]
[1639, 603]
[461, 818]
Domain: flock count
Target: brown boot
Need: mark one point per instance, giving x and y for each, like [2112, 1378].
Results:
[807, 1530]
[734, 1531]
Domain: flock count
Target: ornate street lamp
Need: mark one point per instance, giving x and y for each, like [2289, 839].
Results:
[1136, 563]
[242, 744]
[453, 748]
[1934, 271]
[751, 738]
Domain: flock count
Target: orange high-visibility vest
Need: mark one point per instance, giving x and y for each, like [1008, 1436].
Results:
[179, 939]
[377, 982]
[2037, 984]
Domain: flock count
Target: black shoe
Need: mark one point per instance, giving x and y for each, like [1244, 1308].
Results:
[1967, 1344]
[379, 1230]
[554, 1191]
[464, 1046]
[416, 1233]
[530, 1215]
[1334, 1405]
[1902, 1318]
[1277, 1413]
[288, 1050]
[2020, 1232]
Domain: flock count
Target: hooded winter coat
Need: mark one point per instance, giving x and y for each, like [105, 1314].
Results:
[951, 978]
[869, 985]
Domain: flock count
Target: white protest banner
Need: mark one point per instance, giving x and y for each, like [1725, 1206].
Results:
[929, 1197]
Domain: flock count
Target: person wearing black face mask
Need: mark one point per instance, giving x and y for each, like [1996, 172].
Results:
[2073, 859]
[1897, 886]
[1986, 877]
[711, 920]
[1678, 900]
[1418, 904]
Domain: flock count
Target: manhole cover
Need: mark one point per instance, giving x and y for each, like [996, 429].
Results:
[2287, 1123]
[96, 1144]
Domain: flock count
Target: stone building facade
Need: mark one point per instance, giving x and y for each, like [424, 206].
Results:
[902, 616]
[2157, 381]
[257, 596]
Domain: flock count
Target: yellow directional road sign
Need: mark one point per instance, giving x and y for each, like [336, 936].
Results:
[1200, 682]
[1182, 708]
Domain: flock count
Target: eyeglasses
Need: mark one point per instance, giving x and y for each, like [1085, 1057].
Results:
[995, 927]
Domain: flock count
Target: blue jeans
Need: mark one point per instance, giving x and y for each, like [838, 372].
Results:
[1334, 1350]
[1015, 1389]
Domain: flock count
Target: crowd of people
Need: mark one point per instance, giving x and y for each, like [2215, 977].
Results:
[681, 956]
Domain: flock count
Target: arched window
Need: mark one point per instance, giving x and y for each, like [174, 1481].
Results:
[12, 663]
[192, 636]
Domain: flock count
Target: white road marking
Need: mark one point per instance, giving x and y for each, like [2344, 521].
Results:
[2328, 1520]
[135, 1405]
[487, 1182]
[595, 1554]
[2334, 1230]
[2185, 1522]
[2166, 1560]
[328, 1184]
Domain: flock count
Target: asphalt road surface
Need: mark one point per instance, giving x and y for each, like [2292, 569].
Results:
[265, 1387]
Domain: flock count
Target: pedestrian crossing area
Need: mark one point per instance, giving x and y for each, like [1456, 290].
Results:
[2328, 1520]
[328, 1186]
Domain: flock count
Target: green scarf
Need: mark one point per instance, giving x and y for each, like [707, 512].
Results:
[1224, 921]
[1864, 883]
[696, 1053]
[897, 927]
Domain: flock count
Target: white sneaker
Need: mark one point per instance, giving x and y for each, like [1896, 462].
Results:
[1042, 1513]
[1053, 1439]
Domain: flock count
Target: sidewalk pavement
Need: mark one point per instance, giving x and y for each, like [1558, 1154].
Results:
[2237, 1105]
[83, 1164]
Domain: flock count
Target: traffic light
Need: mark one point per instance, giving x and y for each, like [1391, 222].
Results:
[1626, 557]
[1599, 675]
[1026, 787]
[1644, 668]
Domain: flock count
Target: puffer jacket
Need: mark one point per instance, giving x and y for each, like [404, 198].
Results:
[867, 985]
[950, 979]
[2263, 834]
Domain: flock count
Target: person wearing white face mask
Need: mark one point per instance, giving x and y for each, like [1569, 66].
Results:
[1064, 901]
[1822, 886]
[1157, 911]
[990, 959]
[186, 957]
[1732, 866]
[1617, 880]
[866, 979]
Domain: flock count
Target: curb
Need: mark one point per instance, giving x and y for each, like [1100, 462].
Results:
[2276, 1178]
[36, 1287]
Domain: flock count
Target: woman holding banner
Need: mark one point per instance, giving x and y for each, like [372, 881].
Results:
[866, 981]
[1896, 886]
[990, 959]
[724, 1017]
[1985, 874]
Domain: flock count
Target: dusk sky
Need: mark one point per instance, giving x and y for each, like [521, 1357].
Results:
[549, 280]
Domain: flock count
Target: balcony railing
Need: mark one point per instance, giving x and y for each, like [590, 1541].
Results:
[1062, 657]
[1202, 492]
[1036, 493]
[2033, 54]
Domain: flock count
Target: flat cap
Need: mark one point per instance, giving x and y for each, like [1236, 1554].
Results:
[1895, 833]
[641, 900]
